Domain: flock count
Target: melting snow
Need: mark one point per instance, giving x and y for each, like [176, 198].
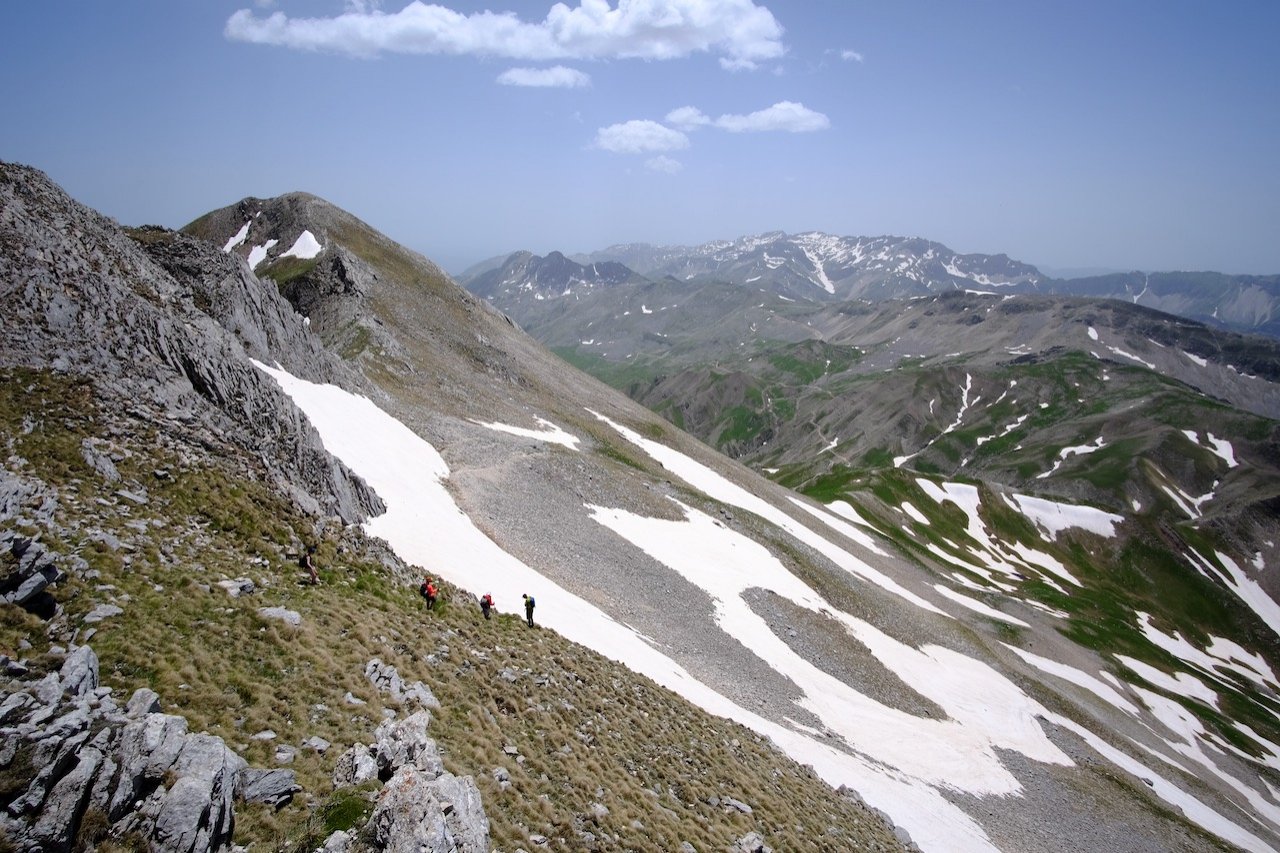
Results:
[1220, 446]
[902, 763]
[550, 432]
[1068, 452]
[1057, 517]
[994, 554]
[1079, 678]
[714, 485]
[305, 247]
[1197, 359]
[1250, 592]
[259, 253]
[915, 514]
[238, 238]
[1179, 684]
[978, 606]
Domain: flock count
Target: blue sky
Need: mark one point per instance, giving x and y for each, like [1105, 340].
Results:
[1125, 135]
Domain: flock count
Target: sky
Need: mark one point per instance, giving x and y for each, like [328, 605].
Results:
[1129, 134]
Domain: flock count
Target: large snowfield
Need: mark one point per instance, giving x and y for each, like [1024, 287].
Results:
[898, 762]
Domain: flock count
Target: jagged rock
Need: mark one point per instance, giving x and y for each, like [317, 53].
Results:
[416, 814]
[731, 803]
[14, 706]
[62, 809]
[355, 766]
[401, 743]
[141, 771]
[274, 787]
[387, 679]
[143, 701]
[196, 812]
[100, 462]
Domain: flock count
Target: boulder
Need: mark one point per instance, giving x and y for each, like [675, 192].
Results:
[79, 673]
[401, 743]
[354, 767]
[273, 787]
[415, 814]
[290, 617]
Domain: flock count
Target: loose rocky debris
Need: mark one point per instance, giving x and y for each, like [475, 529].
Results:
[78, 769]
[421, 808]
[388, 680]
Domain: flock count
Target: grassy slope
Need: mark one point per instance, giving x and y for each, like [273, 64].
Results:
[586, 730]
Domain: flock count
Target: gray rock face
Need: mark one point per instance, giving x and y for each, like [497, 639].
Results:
[422, 808]
[139, 768]
[168, 323]
[415, 815]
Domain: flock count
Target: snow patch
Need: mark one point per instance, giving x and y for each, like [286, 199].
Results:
[238, 238]
[305, 247]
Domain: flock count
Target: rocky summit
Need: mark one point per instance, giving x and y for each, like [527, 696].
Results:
[235, 453]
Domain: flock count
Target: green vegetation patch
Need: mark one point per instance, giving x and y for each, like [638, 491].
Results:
[284, 270]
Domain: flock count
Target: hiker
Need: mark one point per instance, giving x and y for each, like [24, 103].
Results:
[428, 591]
[486, 604]
[528, 609]
[308, 563]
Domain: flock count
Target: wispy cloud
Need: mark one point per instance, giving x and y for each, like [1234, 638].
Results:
[556, 77]
[638, 137]
[663, 163]
[784, 115]
[741, 33]
[851, 56]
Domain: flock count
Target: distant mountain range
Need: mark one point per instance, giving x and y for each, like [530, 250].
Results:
[821, 267]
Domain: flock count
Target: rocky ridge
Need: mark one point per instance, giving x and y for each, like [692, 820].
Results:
[96, 769]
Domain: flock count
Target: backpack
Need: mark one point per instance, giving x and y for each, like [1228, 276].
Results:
[302, 560]
[529, 602]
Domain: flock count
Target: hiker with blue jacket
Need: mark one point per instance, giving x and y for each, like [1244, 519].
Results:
[528, 609]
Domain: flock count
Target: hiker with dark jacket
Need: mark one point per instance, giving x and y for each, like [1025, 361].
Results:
[486, 604]
[308, 562]
[528, 609]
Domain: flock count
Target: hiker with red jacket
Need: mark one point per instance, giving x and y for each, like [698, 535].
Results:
[486, 604]
[429, 591]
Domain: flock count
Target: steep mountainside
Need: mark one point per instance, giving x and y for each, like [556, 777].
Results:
[992, 668]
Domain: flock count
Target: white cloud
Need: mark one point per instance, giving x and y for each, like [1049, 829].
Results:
[850, 56]
[663, 163]
[639, 136]
[688, 118]
[784, 115]
[557, 77]
[738, 31]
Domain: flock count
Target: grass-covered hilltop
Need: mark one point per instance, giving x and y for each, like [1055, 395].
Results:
[981, 601]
